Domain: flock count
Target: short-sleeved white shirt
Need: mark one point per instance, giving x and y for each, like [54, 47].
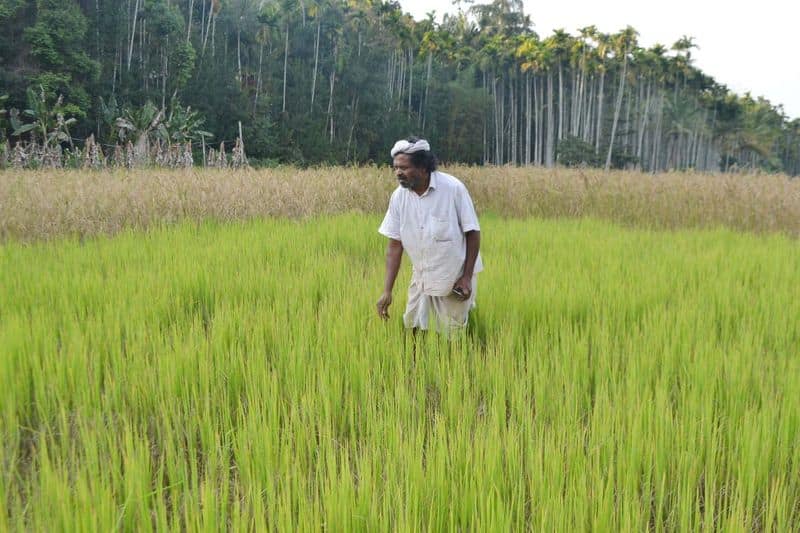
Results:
[431, 228]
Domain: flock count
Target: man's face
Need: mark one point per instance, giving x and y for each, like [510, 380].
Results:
[409, 176]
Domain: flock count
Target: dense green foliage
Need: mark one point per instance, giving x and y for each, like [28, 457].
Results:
[216, 377]
[333, 81]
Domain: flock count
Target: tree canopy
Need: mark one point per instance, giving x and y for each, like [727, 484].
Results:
[337, 81]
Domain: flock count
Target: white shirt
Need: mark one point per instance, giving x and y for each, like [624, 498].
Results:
[431, 228]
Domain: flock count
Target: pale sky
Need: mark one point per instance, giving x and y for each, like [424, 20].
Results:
[747, 45]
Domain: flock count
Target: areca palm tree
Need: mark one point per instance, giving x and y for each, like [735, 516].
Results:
[280, 13]
[583, 67]
[432, 42]
[682, 60]
[560, 45]
[546, 59]
[682, 117]
[535, 59]
[505, 17]
[492, 61]
[624, 42]
[317, 11]
[602, 51]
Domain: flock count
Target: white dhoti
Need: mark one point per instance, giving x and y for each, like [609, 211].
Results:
[442, 313]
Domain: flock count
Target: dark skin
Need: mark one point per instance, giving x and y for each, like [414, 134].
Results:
[418, 179]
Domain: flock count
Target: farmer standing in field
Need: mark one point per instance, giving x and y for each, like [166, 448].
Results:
[432, 218]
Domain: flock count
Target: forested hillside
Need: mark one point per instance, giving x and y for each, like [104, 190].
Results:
[327, 81]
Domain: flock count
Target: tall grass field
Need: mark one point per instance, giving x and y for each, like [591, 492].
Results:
[233, 375]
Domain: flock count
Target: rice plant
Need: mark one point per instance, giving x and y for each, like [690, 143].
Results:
[210, 376]
[50, 204]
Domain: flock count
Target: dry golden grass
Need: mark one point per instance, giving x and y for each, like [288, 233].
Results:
[46, 204]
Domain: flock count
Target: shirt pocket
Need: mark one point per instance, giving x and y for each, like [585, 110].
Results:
[440, 229]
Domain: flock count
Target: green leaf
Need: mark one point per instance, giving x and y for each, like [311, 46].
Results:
[13, 118]
[25, 128]
[124, 124]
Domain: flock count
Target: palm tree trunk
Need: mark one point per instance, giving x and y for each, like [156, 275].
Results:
[239, 48]
[214, 35]
[258, 81]
[332, 80]
[620, 94]
[643, 124]
[513, 125]
[316, 63]
[164, 60]
[503, 123]
[208, 25]
[626, 140]
[133, 33]
[655, 164]
[528, 117]
[142, 68]
[599, 130]
[390, 78]
[202, 20]
[485, 123]
[589, 112]
[538, 119]
[560, 101]
[285, 65]
[117, 63]
[424, 108]
[352, 125]
[189, 23]
[549, 155]
[401, 79]
[577, 101]
[410, 77]
[497, 122]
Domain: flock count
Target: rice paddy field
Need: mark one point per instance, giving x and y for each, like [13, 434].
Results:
[197, 371]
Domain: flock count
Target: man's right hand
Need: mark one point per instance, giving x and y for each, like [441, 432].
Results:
[383, 305]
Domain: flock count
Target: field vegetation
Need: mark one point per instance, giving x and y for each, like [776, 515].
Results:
[339, 82]
[200, 351]
[47, 204]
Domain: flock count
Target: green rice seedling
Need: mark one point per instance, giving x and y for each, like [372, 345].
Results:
[234, 375]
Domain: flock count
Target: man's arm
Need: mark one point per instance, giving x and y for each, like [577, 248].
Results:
[473, 247]
[394, 253]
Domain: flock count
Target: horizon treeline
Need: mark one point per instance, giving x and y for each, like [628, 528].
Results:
[327, 81]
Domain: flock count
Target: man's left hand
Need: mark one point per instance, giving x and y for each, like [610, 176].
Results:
[464, 283]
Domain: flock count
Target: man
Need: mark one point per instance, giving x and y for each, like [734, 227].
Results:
[432, 218]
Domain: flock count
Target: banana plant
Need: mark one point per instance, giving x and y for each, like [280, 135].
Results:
[137, 125]
[48, 122]
[182, 125]
[109, 112]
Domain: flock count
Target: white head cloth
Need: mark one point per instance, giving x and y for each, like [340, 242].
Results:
[405, 147]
